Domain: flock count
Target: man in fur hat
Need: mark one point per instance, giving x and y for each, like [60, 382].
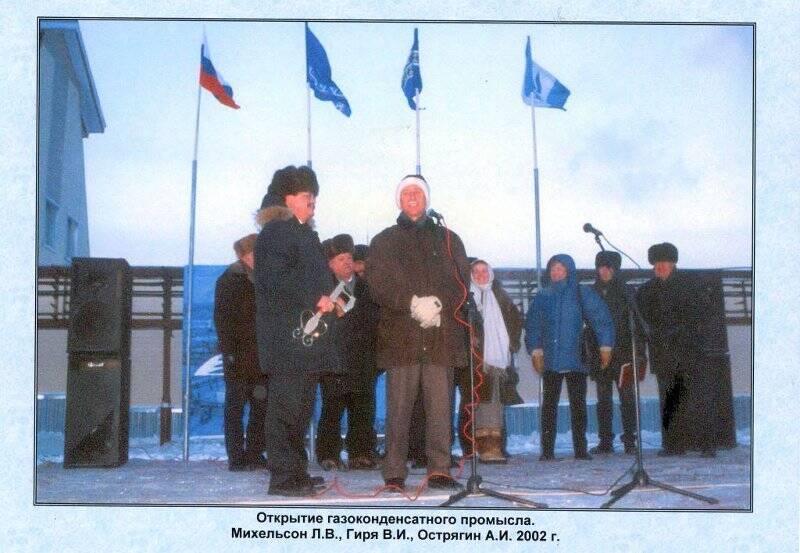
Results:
[675, 309]
[235, 320]
[291, 277]
[354, 389]
[612, 289]
[412, 277]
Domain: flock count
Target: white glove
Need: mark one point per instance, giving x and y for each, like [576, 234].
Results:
[436, 321]
[414, 307]
[426, 310]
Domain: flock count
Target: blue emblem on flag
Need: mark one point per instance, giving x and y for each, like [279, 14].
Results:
[539, 86]
[318, 74]
[412, 78]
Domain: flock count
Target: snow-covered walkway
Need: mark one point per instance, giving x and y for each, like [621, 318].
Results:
[157, 475]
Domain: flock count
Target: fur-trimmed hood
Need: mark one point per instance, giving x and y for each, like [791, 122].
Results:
[272, 213]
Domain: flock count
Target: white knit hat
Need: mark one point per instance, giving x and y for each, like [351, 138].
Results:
[413, 180]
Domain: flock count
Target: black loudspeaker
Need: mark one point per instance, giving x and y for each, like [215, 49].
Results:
[96, 421]
[99, 372]
[100, 306]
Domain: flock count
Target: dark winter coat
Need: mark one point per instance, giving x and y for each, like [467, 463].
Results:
[291, 274]
[410, 259]
[555, 320]
[355, 339]
[235, 320]
[513, 322]
[614, 294]
[675, 309]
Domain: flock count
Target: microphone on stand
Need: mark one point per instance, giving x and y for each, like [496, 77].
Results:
[589, 228]
[597, 234]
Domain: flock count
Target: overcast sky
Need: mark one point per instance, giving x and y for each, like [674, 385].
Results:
[655, 143]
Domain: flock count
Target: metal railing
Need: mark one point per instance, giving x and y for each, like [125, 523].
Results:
[737, 286]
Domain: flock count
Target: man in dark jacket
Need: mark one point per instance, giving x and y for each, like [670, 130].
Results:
[612, 289]
[354, 388]
[235, 320]
[413, 279]
[292, 278]
[675, 308]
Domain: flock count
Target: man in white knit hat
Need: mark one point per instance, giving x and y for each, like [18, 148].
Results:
[412, 272]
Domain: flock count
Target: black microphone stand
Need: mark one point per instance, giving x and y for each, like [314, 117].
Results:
[473, 486]
[640, 477]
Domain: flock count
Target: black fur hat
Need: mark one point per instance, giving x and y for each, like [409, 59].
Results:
[341, 243]
[270, 200]
[608, 259]
[291, 180]
[360, 252]
[662, 252]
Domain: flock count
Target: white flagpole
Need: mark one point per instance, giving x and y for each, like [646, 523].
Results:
[538, 231]
[536, 202]
[538, 226]
[416, 110]
[190, 281]
[308, 96]
[308, 99]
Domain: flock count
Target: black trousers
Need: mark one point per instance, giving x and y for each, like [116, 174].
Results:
[238, 393]
[290, 403]
[576, 390]
[339, 395]
[605, 415]
[688, 409]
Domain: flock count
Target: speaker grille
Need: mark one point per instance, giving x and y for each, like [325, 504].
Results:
[100, 306]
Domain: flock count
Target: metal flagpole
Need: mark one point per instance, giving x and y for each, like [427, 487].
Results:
[416, 110]
[538, 227]
[312, 427]
[536, 203]
[308, 99]
[188, 285]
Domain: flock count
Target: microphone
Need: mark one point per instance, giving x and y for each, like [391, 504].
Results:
[435, 214]
[589, 228]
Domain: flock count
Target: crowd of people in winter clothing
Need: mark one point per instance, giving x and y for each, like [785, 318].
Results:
[414, 305]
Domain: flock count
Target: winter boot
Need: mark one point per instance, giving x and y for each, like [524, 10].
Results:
[490, 446]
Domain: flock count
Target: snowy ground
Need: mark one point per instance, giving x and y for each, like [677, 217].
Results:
[157, 475]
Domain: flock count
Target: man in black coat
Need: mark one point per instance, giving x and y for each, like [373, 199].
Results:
[235, 320]
[291, 277]
[675, 308]
[612, 289]
[354, 389]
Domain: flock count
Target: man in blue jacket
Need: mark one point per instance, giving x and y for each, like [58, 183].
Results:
[553, 337]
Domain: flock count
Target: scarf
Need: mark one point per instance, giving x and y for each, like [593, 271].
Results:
[495, 335]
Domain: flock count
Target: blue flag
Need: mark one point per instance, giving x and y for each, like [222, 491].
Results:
[318, 74]
[540, 87]
[412, 78]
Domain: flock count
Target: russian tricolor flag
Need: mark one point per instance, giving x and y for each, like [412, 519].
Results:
[212, 80]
